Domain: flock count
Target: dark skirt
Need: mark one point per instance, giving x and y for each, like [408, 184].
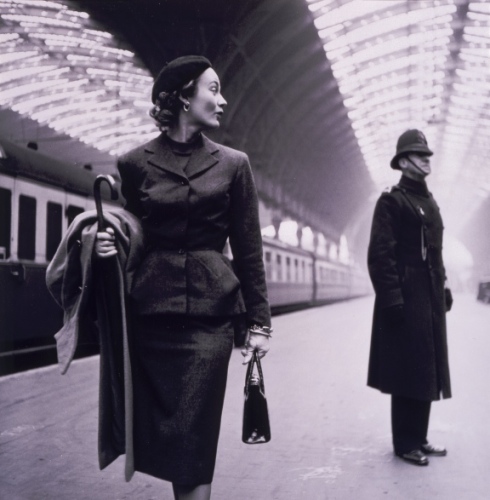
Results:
[180, 371]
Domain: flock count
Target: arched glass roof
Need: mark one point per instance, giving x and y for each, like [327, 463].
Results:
[416, 64]
[58, 67]
[398, 64]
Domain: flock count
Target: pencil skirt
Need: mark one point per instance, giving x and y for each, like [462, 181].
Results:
[180, 371]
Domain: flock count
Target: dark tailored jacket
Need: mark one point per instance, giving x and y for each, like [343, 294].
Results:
[410, 359]
[79, 291]
[187, 218]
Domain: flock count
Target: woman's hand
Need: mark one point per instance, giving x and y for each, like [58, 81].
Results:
[255, 342]
[105, 244]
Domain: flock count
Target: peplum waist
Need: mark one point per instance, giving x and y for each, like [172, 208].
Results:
[198, 282]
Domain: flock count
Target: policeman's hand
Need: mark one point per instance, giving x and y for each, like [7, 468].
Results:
[105, 243]
[255, 342]
[395, 315]
[448, 297]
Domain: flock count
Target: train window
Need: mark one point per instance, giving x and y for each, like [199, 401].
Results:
[53, 228]
[288, 269]
[296, 271]
[5, 229]
[279, 267]
[72, 211]
[268, 266]
[27, 228]
[303, 275]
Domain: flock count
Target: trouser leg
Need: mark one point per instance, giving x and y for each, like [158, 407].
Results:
[409, 423]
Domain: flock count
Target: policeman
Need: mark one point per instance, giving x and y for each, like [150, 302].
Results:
[408, 356]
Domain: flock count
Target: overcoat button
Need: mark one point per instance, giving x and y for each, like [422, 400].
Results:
[181, 251]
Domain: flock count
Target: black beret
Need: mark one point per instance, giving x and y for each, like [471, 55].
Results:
[177, 73]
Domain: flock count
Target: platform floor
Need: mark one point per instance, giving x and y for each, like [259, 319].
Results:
[331, 434]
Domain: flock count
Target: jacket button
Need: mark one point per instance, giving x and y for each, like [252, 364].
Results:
[183, 183]
[181, 251]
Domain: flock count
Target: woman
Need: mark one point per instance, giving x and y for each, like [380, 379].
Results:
[190, 195]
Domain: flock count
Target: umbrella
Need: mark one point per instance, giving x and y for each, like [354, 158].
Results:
[109, 320]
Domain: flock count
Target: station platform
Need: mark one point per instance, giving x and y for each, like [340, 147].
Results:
[331, 435]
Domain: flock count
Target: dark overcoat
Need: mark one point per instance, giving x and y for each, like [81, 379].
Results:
[75, 284]
[406, 267]
[187, 217]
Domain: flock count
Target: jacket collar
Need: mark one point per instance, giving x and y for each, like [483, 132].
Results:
[416, 187]
[161, 156]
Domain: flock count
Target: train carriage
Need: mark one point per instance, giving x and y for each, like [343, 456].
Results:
[289, 274]
[40, 197]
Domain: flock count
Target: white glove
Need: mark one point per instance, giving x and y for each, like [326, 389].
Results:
[255, 342]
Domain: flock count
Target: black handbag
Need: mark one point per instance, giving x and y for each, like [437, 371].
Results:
[256, 426]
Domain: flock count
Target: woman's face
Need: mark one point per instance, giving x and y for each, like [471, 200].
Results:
[206, 105]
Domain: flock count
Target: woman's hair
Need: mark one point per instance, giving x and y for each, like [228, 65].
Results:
[168, 105]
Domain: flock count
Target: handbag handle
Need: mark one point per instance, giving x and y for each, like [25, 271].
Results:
[255, 361]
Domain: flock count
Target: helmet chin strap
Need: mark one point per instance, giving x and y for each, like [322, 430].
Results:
[416, 166]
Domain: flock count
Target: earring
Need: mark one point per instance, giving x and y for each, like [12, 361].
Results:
[186, 106]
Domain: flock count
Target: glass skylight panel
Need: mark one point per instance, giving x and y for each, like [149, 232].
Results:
[33, 103]
[8, 95]
[349, 11]
[35, 20]
[480, 30]
[20, 73]
[17, 57]
[89, 102]
[478, 43]
[37, 3]
[84, 67]
[8, 37]
[78, 130]
[395, 65]
[402, 43]
[315, 5]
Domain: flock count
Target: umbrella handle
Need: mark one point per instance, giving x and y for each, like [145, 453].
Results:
[98, 202]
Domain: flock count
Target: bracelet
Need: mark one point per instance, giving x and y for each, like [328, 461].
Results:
[261, 330]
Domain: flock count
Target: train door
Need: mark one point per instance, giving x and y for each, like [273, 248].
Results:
[29, 316]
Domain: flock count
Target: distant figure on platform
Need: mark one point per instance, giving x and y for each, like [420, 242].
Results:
[190, 195]
[409, 357]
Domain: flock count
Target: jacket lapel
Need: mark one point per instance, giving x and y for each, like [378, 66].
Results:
[161, 156]
[203, 158]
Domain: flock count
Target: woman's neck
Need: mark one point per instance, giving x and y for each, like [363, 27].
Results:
[184, 133]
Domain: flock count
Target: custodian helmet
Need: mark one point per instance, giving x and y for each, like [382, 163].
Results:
[411, 141]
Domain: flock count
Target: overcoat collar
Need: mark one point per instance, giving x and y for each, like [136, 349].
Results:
[413, 186]
[161, 156]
